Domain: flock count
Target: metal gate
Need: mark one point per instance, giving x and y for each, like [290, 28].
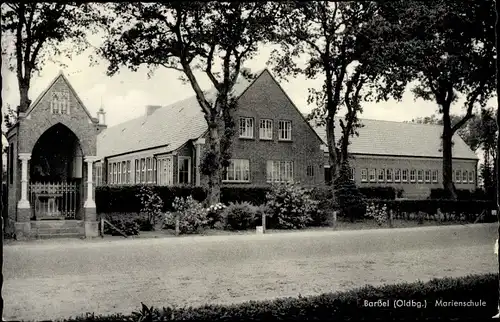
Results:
[54, 200]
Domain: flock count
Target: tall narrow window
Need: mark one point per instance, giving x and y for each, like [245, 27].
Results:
[434, 176]
[59, 103]
[464, 176]
[381, 175]
[373, 175]
[458, 176]
[115, 173]
[110, 172]
[143, 170]
[165, 171]
[129, 177]
[285, 130]
[364, 175]
[155, 174]
[137, 171]
[389, 175]
[427, 176]
[404, 175]
[246, 127]
[397, 175]
[420, 175]
[184, 170]
[310, 170]
[413, 174]
[351, 173]
[266, 129]
[124, 172]
[471, 176]
[149, 166]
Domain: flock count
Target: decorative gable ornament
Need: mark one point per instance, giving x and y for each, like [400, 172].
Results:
[59, 102]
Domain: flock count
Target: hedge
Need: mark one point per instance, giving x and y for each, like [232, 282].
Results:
[430, 206]
[350, 305]
[378, 192]
[462, 194]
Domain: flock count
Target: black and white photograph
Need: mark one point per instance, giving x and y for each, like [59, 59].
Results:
[250, 160]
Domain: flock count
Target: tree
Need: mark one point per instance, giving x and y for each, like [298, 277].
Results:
[447, 47]
[190, 37]
[38, 30]
[497, 148]
[325, 35]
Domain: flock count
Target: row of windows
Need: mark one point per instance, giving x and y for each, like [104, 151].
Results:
[405, 175]
[276, 171]
[246, 129]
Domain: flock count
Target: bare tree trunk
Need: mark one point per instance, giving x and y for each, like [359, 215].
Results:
[214, 177]
[332, 150]
[497, 177]
[448, 159]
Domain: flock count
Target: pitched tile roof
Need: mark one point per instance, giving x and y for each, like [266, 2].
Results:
[170, 126]
[399, 139]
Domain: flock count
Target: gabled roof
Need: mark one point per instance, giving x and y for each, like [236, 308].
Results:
[168, 126]
[390, 138]
[60, 75]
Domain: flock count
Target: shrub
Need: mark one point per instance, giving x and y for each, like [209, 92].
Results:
[290, 206]
[350, 305]
[348, 199]
[152, 206]
[256, 195]
[389, 193]
[214, 215]
[240, 216]
[462, 194]
[127, 224]
[377, 212]
[192, 215]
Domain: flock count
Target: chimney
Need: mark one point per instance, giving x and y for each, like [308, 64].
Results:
[151, 108]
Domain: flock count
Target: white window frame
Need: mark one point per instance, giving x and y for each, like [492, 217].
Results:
[310, 170]
[246, 128]
[266, 129]
[129, 169]
[364, 175]
[115, 173]
[458, 176]
[413, 175]
[397, 175]
[381, 178]
[435, 174]
[165, 171]
[124, 172]
[279, 171]
[179, 160]
[404, 175]
[351, 173]
[143, 170]
[420, 175]
[137, 166]
[372, 175]
[60, 102]
[110, 173]
[427, 176]
[465, 176]
[285, 130]
[471, 176]
[389, 175]
[243, 167]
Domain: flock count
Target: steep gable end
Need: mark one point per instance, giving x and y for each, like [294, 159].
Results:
[60, 98]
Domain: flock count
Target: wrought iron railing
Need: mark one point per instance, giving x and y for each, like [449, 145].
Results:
[54, 200]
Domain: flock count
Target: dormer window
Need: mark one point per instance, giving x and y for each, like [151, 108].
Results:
[59, 103]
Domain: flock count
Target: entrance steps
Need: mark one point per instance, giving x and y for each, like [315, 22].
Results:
[57, 229]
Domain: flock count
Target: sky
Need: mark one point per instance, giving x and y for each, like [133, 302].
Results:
[125, 95]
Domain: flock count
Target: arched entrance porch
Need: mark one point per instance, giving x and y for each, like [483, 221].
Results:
[55, 175]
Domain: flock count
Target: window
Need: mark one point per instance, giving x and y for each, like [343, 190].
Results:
[420, 175]
[154, 170]
[110, 173]
[143, 170]
[458, 176]
[364, 175]
[434, 176]
[238, 170]
[372, 175]
[381, 175]
[246, 127]
[310, 171]
[266, 130]
[351, 173]
[166, 173]
[413, 172]
[119, 173]
[279, 171]
[150, 172]
[128, 172]
[397, 175]
[464, 176]
[115, 173]
[404, 175]
[427, 175]
[124, 172]
[388, 175]
[137, 172]
[285, 130]
[184, 170]
[98, 174]
[59, 103]
[328, 175]
[471, 176]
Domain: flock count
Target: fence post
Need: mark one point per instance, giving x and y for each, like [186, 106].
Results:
[177, 224]
[102, 227]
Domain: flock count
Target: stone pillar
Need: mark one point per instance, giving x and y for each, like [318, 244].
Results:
[198, 143]
[91, 225]
[23, 224]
